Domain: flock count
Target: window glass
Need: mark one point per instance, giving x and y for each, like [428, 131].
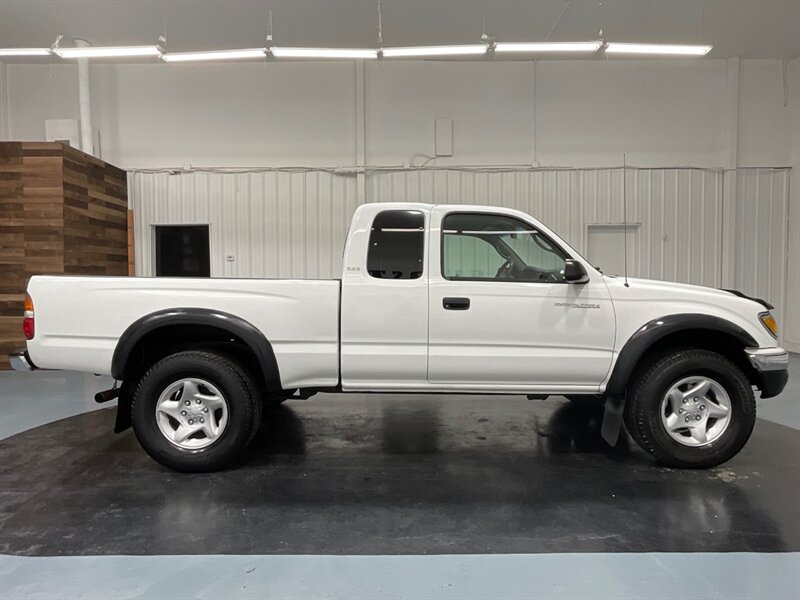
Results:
[469, 257]
[396, 245]
[182, 251]
[486, 246]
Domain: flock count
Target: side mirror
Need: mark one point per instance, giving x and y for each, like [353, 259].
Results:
[574, 272]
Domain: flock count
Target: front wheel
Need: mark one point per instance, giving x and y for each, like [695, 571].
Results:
[691, 408]
[195, 411]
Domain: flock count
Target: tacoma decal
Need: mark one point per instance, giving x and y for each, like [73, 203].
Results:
[583, 305]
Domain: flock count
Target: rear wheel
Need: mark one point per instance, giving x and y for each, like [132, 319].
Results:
[691, 408]
[195, 411]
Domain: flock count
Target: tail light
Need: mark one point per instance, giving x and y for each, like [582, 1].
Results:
[28, 326]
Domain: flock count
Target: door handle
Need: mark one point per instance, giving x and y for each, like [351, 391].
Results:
[455, 303]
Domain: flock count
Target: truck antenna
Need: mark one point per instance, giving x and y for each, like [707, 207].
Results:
[625, 215]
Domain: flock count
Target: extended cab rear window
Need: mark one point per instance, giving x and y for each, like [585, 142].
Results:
[396, 245]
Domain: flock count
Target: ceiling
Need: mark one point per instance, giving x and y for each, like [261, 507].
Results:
[746, 28]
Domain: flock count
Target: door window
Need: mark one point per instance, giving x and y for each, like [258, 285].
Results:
[485, 246]
[397, 245]
[470, 257]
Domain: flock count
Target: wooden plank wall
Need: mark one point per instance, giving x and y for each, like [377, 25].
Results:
[31, 228]
[95, 216]
[131, 245]
[61, 211]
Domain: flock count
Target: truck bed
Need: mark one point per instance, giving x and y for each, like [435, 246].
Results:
[80, 319]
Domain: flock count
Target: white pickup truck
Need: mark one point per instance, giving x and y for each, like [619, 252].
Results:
[432, 299]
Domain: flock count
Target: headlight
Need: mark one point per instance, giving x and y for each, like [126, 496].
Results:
[768, 321]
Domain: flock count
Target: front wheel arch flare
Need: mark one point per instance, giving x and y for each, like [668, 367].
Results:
[656, 330]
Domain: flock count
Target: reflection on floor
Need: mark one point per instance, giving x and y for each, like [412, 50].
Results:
[490, 484]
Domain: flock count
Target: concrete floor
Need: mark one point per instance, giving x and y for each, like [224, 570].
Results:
[397, 497]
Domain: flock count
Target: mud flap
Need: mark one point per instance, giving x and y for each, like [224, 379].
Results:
[123, 420]
[612, 419]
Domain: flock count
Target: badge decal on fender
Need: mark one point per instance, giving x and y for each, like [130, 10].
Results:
[583, 305]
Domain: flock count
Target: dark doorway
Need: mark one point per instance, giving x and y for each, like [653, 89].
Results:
[182, 251]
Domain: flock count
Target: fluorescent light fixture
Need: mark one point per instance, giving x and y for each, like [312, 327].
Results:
[107, 51]
[535, 47]
[471, 49]
[283, 52]
[214, 55]
[24, 51]
[669, 49]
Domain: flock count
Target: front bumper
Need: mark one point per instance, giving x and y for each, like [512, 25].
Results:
[772, 369]
[21, 361]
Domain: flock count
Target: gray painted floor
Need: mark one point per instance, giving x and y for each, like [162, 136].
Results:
[547, 576]
[30, 400]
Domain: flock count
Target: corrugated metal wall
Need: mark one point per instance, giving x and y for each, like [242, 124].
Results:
[679, 209]
[761, 236]
[293, 224]
[268, 224]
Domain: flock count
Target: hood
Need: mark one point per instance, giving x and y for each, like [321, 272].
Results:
[670, 290]
[763, 303]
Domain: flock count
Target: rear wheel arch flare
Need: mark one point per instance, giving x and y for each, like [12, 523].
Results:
[144, 328]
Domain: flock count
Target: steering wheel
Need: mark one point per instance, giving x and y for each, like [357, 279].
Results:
[504, 272]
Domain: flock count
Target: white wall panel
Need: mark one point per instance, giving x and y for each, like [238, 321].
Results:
[791, 321]
[551, 113]
[490, 104]
[764, 114]
[662, 112]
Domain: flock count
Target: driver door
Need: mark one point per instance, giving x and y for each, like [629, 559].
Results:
[501, 314]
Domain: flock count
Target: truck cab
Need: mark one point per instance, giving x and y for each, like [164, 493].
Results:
[479, 299]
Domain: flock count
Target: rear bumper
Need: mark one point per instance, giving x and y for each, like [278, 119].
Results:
[20, 361]
[772, 369]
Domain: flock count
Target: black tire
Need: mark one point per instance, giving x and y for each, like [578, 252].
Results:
[647, 390]
[244, 410]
